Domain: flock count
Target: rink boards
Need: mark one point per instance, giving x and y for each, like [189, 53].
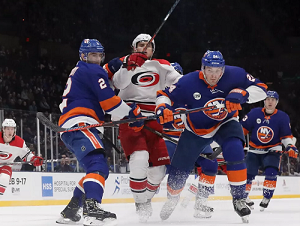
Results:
[37, 188]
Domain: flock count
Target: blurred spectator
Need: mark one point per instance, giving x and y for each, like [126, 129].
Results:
[64, 166]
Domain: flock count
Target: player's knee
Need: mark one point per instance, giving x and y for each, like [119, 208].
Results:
[98, 165]
[208, 167]
[271, 171]
[138, 164]
[4, 181]
[156, 174]
[233, 150]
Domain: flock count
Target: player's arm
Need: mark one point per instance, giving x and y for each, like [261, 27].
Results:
[246, 123]
[28, 156]
[287, 137]
[113, 66]
[255, 88]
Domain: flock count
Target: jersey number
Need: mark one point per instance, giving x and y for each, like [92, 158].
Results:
[102, 83]
[63, 104]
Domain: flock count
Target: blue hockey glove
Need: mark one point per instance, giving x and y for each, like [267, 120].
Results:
[292, 151]
[135, 112]
[113, 66]
[235, 98]
[164, 113]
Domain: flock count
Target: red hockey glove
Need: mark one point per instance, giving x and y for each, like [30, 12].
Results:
[135, 112]
[134, 60]
[292, 151]
[235, 98]
[164, 113]
[36, 160]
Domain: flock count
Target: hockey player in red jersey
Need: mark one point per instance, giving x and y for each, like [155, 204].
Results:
[138, 80]
[214, 85]
[269, 129]
[11, 147]
[87, 97]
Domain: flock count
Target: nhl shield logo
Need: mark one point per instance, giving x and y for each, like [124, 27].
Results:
[197, 96]
[265, 134]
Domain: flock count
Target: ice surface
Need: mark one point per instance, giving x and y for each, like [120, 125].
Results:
[281, 212]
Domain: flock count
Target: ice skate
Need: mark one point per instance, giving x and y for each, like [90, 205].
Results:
[250, 203]
[242, 209]
[264, 204]
[93, 214]
[202, 210]
[70, 215]
[144, 210]
[193, 189]
[169, 207]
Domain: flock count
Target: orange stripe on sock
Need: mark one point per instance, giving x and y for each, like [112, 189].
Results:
[173, 192]
[237, 175]
[248, 187]
[94, 177]
[80, 183]
[207, 179]
[270, 184]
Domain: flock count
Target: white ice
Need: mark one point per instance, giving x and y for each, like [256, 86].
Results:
[281, 212]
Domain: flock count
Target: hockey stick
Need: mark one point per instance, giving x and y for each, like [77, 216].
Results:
[45, 121]
[206, 156]
[158, 29]
[109, 141]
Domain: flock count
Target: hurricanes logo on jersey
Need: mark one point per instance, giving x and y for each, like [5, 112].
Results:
[265, 134]
[145, 79]
[218, 114]
[4, 155]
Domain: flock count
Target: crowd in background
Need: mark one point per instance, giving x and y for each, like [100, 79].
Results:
[32, 80]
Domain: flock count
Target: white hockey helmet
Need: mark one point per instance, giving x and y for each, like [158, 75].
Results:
[142, 37]
[8, 122]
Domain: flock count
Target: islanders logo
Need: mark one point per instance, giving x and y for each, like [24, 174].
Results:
[217, 114]
[145, 79]
[265, 134]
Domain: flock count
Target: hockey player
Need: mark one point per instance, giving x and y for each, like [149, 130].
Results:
[215, 84]
[138, 80]
[268, 128]
[11, 147]
[207, 169]
[86, 98]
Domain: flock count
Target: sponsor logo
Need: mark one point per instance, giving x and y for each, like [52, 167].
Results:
[15, 190]
[213, 91]
[217, 114]
[265, 134]
[145, 79]
[47, 186]
[117, 188]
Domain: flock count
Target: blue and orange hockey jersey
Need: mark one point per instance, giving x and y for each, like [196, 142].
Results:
[88, 96]
[267, 132]
[192, 91]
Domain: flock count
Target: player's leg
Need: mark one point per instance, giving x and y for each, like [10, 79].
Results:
[71, 211]
[252, 163]
[135, 147]
[231, 138]
[188, 150]
[88, 148]
[5, 175]
[271, 167]
[205, 185]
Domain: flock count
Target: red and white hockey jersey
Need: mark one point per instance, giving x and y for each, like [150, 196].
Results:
[140, 85]
[16, 148]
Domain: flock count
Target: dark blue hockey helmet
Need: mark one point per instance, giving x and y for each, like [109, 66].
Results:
[213, 59]
[177, 67]
[273, 94]
[90, 46]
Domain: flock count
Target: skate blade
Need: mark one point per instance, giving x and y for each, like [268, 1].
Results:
[62, 220]
[202, 215]
[245, 219]
[92, 221]
[185, 202]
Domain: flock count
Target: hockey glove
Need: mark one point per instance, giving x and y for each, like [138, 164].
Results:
[292, 151]
[36, 161]
[164, 113]
[113, 66]
[135, 112]
[134, 60]
[235, 98]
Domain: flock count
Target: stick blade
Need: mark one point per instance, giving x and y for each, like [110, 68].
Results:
[45, 121]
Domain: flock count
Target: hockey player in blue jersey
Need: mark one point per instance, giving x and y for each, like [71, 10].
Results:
[215, 84]
[268, 129]
[86, 98]
[207, 167]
